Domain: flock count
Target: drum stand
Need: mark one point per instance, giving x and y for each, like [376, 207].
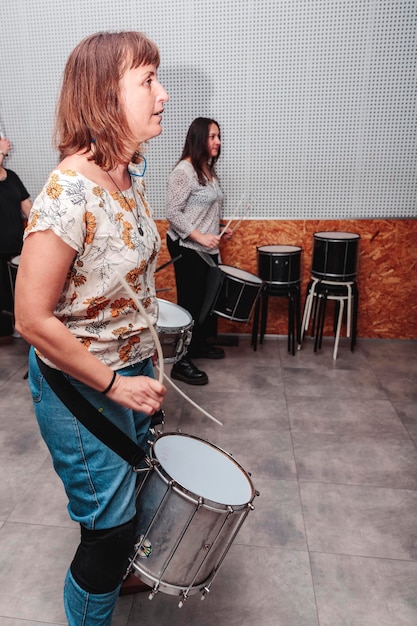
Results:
[317, 295]
[290, 291]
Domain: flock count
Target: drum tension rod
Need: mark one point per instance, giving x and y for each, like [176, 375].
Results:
[140, 470]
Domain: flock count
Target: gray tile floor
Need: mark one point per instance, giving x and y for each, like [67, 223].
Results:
[330, 445]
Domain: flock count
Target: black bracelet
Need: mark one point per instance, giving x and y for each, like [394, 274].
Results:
[110, 385]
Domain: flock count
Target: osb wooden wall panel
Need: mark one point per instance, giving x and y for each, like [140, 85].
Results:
[387, 276]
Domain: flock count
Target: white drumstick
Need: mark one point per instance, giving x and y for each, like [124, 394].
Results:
[148, 324]
[227, 226]
[160, 367]
[245, 213]
[192, 401]
[233, 216]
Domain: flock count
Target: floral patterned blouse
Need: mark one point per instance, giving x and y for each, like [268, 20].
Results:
[104, 229]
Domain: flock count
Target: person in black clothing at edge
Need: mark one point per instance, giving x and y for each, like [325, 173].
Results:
[194, 208]
[15, 205]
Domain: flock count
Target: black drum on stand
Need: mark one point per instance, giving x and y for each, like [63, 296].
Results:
[279, 264]
[335, 256]
[237, 295]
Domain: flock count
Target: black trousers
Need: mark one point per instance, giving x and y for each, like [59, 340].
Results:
[6, 296]
[191, 277]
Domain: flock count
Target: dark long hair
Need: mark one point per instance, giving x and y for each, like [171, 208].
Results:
[195, 147]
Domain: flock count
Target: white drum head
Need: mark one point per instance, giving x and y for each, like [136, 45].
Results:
[240, 274]
[203, 469]
[279, 249]
[172, 316]
[15, 260]
[336, 236]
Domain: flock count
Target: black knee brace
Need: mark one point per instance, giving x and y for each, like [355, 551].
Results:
[102, 557]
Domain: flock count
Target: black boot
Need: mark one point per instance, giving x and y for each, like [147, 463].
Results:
[186, 371]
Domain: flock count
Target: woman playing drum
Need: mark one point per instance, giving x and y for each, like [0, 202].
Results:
[194, 206]
[91, 225]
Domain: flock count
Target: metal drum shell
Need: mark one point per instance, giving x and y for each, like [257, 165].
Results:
[174, 328]
[186, 534]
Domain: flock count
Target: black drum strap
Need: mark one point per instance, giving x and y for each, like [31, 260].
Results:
[95, 421]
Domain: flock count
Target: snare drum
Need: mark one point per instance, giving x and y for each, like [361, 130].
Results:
[190, 505]
[335, 256]
[278, 264]
[174, 328]
[237, 295]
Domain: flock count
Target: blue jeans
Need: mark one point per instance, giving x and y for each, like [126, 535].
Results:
[99, 484]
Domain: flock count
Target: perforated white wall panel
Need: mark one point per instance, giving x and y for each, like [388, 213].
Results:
[316, 99]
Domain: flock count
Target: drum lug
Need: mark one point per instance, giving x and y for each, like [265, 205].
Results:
[250, 505]
[153, 592]
[140, 470]
[157, 419]
[205, 593]
[184, 599]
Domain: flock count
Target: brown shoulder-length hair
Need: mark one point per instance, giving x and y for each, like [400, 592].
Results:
[196, 149]
[89, 110]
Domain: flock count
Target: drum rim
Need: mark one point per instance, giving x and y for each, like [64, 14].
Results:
[176, 306]
[257, 280]
[186, 490]
[352, 236]
[294, 249]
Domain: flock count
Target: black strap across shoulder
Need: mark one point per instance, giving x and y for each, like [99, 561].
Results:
[95, 421]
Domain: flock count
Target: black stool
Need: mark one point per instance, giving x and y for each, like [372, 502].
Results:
[279, 268]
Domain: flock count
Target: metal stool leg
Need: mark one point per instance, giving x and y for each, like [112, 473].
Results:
[315, 325]
[308, 304]
[341, 302]
[264, 314]
[354, 315]
[291, 323]
[297, 298]
[255, 326]
[322, 297]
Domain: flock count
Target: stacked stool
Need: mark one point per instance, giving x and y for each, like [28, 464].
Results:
[279, 268]
[333, 277]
